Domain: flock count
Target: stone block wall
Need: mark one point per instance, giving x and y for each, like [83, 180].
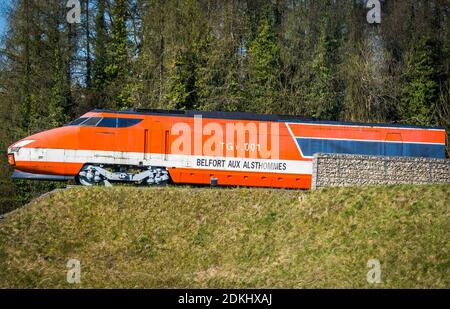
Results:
[331, 170]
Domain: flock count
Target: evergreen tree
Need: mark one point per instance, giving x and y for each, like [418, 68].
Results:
[182, 83]
[263, 71]
[118, 45]
[100, 48]
[322, 98]
[117, 69]
[219, 80]
[421, 81]
[151, 65]
[191, 53]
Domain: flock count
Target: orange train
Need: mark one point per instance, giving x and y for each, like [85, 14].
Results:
[194, 147]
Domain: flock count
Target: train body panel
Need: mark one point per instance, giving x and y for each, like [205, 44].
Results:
[195, 147]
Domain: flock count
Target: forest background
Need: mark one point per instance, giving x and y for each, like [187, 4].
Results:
[313, 58]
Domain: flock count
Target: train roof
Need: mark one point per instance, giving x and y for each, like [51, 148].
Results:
[254, 116]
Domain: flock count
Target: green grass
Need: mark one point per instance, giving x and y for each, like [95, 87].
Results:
[180, 237]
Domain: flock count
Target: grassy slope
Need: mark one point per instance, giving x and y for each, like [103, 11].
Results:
[185, 237]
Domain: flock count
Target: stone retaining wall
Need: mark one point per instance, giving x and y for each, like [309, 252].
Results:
[331, 170]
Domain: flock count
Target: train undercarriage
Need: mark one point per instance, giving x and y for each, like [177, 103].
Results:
[96, 174]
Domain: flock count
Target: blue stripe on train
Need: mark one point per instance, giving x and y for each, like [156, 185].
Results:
[310, 146]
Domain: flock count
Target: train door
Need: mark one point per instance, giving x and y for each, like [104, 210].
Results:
[157, 141]
[147, 143]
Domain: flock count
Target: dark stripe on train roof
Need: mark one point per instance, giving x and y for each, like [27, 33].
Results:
[254, 116]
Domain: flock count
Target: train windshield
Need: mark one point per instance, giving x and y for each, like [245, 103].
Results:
[91, 122]
[78, 121]
[105, 122]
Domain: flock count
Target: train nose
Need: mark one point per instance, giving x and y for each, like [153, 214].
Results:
[43, 153]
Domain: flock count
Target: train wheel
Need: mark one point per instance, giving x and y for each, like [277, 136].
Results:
[159, 177]
[99, 175]
[89, 176]
[84, 181]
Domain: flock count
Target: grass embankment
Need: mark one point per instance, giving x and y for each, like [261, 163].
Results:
[227, 238]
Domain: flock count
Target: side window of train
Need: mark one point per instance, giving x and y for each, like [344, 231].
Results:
[112, 122]
[127, 122]
[108, 123]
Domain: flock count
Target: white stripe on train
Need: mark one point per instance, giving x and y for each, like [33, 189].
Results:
[154, 159]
